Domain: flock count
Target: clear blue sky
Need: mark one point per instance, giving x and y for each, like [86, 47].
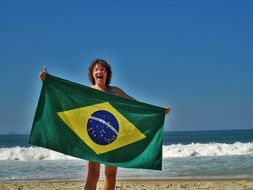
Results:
[196, 56]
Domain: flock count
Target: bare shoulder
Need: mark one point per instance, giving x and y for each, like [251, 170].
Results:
[118, 91]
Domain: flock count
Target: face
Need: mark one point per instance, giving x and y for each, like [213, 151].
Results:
[99, 74]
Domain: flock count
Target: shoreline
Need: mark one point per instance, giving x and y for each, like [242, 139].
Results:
[124, 184]
[130, 179]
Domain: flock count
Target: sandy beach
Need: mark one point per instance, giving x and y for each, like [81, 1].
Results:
[142, 184]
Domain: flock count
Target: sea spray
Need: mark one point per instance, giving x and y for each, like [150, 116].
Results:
[169, 151]
[210, 149]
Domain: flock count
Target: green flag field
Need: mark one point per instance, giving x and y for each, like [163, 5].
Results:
[97, 126]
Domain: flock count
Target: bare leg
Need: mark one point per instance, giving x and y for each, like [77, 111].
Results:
[110, 177]
[93, 170]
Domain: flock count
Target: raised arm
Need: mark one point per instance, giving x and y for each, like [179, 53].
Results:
[120, 92]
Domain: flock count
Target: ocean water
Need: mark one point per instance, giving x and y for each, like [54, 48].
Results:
[194, 154]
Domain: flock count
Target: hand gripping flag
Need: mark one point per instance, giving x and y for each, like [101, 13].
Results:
[101, 127]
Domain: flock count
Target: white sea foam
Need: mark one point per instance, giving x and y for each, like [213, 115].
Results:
[169, 151]
[31, 154]
[211, 149]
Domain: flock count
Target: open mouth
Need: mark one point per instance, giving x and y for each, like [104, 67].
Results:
[100, 77]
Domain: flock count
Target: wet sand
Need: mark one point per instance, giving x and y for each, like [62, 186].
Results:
[142, 184]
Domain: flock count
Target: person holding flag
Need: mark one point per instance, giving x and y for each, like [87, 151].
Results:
[99, 74]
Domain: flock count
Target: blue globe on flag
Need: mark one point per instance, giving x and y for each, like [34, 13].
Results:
[102, 127]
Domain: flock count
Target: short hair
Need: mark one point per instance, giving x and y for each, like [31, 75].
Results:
[104, 64]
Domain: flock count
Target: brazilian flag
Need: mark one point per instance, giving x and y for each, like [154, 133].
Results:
[101, 127]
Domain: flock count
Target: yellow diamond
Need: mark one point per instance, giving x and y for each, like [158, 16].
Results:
[77, 120]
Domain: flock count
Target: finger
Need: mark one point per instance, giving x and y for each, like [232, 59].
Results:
[45, 69]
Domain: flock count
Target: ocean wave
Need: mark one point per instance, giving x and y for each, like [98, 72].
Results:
[169, 151]
[210, 149]
[31, 154]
